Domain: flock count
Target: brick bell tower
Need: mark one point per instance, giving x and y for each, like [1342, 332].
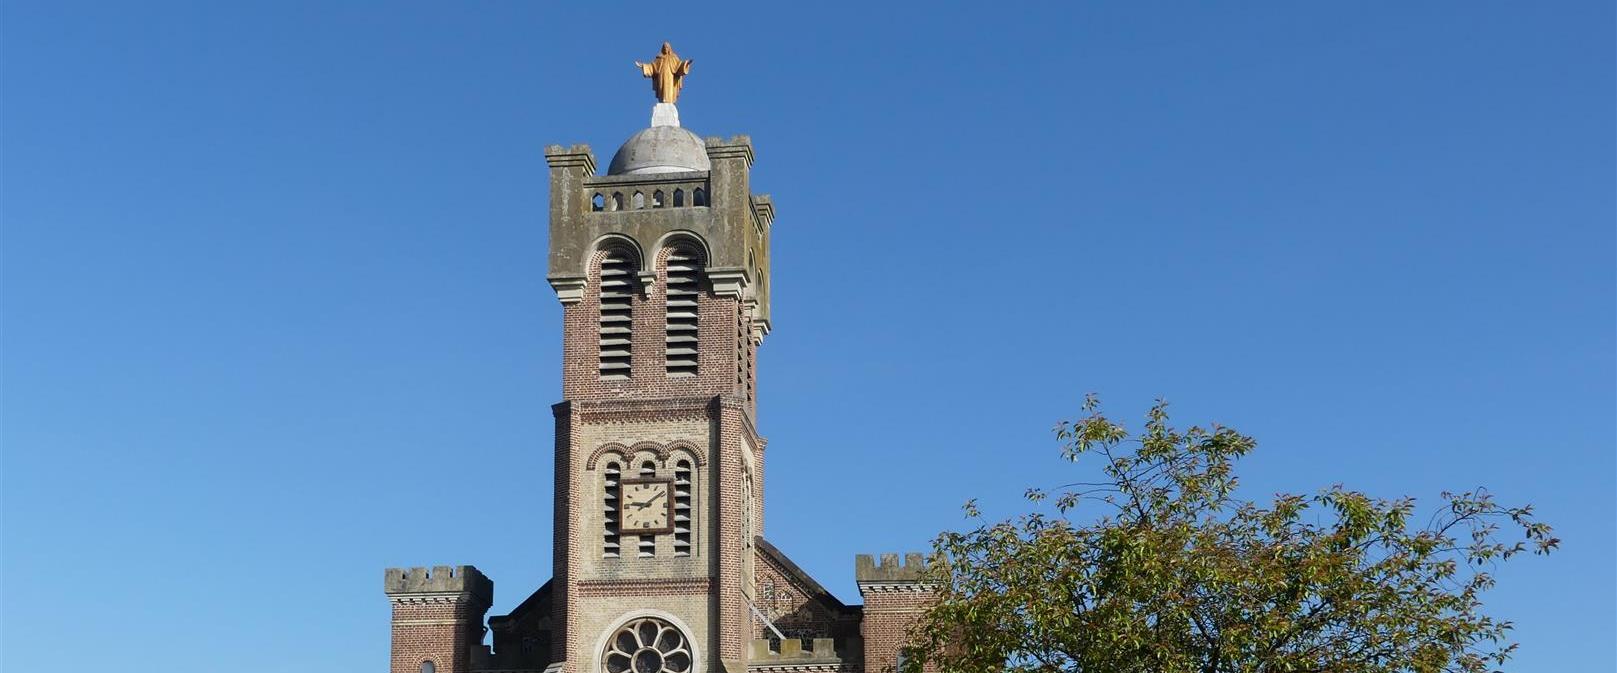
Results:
[662, 270]
[661, 267]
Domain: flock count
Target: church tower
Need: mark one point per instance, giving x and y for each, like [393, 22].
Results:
[661, 267]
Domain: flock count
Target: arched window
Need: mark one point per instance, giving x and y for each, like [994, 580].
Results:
[617, 200]
[657, 199]
[679, 198]
[683, 297]
[639, 200]
[684, 487]
[609, 503]
[618, 280]
[598, 202]
[648, 543]
[429, 667]
[698, 197]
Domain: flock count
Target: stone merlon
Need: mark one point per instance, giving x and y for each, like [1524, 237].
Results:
[438, 580]
[890, 570]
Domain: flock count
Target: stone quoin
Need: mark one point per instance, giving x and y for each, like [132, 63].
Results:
[661, 267]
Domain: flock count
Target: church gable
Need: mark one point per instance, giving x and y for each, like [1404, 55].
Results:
[797, 605]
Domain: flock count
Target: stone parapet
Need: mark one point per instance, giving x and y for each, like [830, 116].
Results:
[791, 651]
[438, 580]
[890, 570]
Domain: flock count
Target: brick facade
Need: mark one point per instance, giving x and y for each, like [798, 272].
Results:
[714, 580]
[437, 617]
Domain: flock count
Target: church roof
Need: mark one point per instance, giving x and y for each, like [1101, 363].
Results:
[801, 577]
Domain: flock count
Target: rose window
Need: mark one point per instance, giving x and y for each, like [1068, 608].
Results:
[648, 646]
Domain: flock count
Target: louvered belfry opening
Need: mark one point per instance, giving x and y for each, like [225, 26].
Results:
[683, 297]
[610, 502]
[682, 508]
[618, 281]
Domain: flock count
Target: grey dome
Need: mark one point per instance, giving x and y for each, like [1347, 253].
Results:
[660, 149]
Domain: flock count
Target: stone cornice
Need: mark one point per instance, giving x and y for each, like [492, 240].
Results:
[828, 667]
[669, 587]
[893, 588]
[737, 147]
[641, 409]
[729, 282]
[763, 208]
[672, 178]
[569, 289]
[577, 156]
[433, 598]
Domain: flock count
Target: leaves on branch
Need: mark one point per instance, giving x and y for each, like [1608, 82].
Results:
[1175, 575]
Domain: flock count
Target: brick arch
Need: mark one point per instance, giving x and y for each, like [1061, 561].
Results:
[684, 237]
[698, 456]
[610, 447]
[653, 447]
[599, 247]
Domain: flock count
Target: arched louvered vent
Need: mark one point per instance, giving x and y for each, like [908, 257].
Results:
[618, 269]
[609, 502]
[683, 297]
[683, 487]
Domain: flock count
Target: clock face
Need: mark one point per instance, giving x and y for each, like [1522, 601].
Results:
[647, 507]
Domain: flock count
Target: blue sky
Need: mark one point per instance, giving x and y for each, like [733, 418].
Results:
[275, 315]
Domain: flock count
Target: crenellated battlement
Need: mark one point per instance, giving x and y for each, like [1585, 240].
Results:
[401, 582]
[890, 570]
[766, 652]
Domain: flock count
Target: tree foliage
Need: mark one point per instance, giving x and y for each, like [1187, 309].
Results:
[1172, 573]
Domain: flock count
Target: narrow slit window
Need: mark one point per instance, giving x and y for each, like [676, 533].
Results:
[679, 198]
[639, 201]
[683, 298]
[684, 486]
[617, 200]
[617, 313]
[698, 197]
[609, 502]
[598, 202]
[657, 199]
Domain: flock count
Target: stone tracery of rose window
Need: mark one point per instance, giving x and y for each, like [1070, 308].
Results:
[648, 645]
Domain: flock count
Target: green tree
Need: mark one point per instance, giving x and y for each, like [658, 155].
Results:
[1171, 573]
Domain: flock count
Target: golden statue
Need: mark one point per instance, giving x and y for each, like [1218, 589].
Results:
[667, 73]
